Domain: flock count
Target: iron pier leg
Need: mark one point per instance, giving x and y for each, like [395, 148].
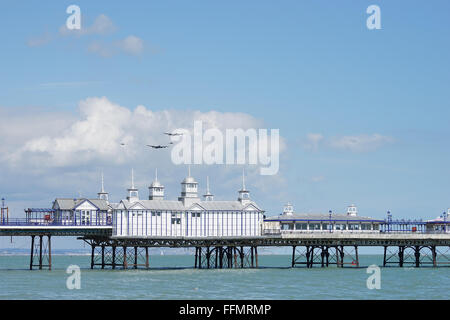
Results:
[356, 255]
[103, 256]
[196, 254]
[92, 255]
[338, 261]
[417, 255]
[341, 254]
[433, 253]
[322, 257]
[293, 256]
[32, 252]
[49, 253]
[256, 256]
[242, 256]
[135, 257]
[113, 257]
[307, 254]
[199, 257]
[40, 252]
[216, 257]
[125, 262]
[400, 256]
[208, 256]
[147, 262]
[251, 257]
[220, 257]
[384, 256]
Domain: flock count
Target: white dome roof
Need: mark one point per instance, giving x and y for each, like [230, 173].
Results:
[189, 180]
[156, 184]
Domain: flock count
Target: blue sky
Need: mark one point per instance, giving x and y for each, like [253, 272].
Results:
[309, 68]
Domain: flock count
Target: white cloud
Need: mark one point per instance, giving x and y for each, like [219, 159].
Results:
[355, 143]
[102, 49]
[40, 40]
[317, 178]
[360, 143]
[131, 45]
[48, 154]
[102, 126]
[312, 141]
[102, 25]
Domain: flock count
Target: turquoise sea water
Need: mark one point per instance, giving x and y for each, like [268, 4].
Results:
[172, 277]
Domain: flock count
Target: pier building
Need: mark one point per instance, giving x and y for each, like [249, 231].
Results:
[290, 222]
[188, 216]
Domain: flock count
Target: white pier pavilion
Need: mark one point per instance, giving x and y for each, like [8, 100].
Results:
[188, 216]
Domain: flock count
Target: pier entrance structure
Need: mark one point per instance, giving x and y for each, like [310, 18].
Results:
[223, 234]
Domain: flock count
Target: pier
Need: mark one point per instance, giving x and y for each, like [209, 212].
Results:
[309, 249]
[223, 234]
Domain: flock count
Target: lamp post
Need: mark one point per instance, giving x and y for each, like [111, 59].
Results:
[389, 220]
[3, 211]
[444, 215]
[331, 226]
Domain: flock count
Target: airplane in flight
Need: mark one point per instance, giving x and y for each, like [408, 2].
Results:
[156, 147]
[173, 134]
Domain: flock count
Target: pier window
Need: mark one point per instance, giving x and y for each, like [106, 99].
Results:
[85, 217]
[301, 226]
[314, 226]
[341, 227]
[156, 213]
[353, 226]
[196, 214]
[287, 226]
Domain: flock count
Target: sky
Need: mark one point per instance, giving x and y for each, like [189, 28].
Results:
[362, 114]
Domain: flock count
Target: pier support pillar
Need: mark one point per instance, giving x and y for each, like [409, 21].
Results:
[434, 257]
[92, 255]
[147, 260]
[125, 262]
[32, 252]
[417, 256]
[196, 257]
[293, 256]
[113, 262]
[41, 251]
[401, 251]
[103, 256]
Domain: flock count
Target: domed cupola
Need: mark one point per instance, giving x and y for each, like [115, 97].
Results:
[133, 194]
[352, 210]
[103, 195]
[189, 190]
[244, 194]
[156, 189]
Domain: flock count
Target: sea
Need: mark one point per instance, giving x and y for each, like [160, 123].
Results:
[173, 277]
